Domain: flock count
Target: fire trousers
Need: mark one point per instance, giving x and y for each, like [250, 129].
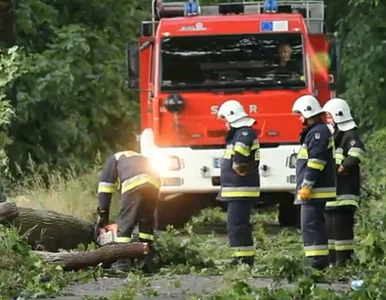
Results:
[340, 232]
[314, 234]
[137, 207]
[239, 227]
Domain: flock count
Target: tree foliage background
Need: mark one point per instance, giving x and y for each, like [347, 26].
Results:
[62, 82]
[68, 92]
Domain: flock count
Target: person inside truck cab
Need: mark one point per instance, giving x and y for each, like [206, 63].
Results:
[286, 63]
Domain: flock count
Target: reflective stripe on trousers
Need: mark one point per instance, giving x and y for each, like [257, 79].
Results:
[123, 239]
[342, 200]
[316, 250]
[146, 236]
[344, 245]
[141, 235]
[331, 244]
[244, 251]
[233, 192]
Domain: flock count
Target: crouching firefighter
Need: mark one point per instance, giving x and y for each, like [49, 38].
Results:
[349, 152]
[316, 179]
[131, 174]
[240, 182]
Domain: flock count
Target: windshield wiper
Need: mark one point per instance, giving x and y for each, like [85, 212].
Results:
[278, 84]
[227, 90]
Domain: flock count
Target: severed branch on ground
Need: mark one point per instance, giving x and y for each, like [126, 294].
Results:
[106, 255]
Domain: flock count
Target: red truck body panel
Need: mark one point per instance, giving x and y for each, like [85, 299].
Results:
[197, 124]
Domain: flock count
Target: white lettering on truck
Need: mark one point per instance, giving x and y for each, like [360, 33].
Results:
[214, 109]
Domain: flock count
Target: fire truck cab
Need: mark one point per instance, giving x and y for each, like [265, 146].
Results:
[191, 59]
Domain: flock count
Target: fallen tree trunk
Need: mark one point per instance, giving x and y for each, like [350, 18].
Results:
[47, 230]
[106, 255]
[8, 211]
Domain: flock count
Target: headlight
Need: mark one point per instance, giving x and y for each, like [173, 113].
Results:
[291, 161]
[166, 163]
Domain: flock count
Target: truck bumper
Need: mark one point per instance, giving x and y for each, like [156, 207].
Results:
[186, 170]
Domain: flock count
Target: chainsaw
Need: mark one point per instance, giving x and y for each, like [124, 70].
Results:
[105, 235]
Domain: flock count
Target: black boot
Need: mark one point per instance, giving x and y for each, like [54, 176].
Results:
[248, 260]
[147, 264]
[122, 266]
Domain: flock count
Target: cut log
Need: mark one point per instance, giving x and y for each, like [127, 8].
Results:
[50, 231]
[8, 211]
[106, 255]
[47, 230]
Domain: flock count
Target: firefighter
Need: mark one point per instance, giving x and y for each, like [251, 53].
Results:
[132, 175]
[240, 182]
[316, 179]
[349, 152]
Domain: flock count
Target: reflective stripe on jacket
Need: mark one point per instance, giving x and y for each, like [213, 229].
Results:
[349, 153]
[126, 171]
[242, 153]
[315, 163]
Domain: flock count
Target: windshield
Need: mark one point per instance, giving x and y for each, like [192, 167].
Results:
[237, 61]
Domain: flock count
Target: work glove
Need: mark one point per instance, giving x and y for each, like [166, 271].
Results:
[305, 193]
[341, 170]
[103, 217]
[241, 170]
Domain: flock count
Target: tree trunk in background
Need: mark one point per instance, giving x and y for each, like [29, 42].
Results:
[7, 23]
[47, 230]
[106, 255]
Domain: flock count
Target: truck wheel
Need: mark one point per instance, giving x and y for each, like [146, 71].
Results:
[289, 214]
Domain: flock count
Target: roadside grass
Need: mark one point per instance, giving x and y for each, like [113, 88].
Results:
[64, 193]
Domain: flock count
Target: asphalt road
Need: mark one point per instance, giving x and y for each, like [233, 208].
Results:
[172, 287]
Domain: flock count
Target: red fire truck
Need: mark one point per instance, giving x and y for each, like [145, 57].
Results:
[187, 65]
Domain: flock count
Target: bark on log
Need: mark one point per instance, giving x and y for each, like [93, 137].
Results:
[106, 255]
[47, 230]
[8, 211]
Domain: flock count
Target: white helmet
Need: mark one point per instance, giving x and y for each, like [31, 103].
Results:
[308, 106]
[234, 113]
[340, 113]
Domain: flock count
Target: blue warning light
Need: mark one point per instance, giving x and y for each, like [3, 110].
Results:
[191, 7]
[270, 6]
[266, 26]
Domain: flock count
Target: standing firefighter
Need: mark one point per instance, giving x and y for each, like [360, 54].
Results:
[131, 174]
[348, 156]
[240, 182]
[316, 179]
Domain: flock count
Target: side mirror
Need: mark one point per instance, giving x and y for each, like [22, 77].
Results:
[334, 56]
[132, 65]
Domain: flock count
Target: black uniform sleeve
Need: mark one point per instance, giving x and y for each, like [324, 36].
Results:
[108, 183]
[355, 153]
[245, 142]
[317, 145]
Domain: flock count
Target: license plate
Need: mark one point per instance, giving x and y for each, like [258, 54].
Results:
[217, 163]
